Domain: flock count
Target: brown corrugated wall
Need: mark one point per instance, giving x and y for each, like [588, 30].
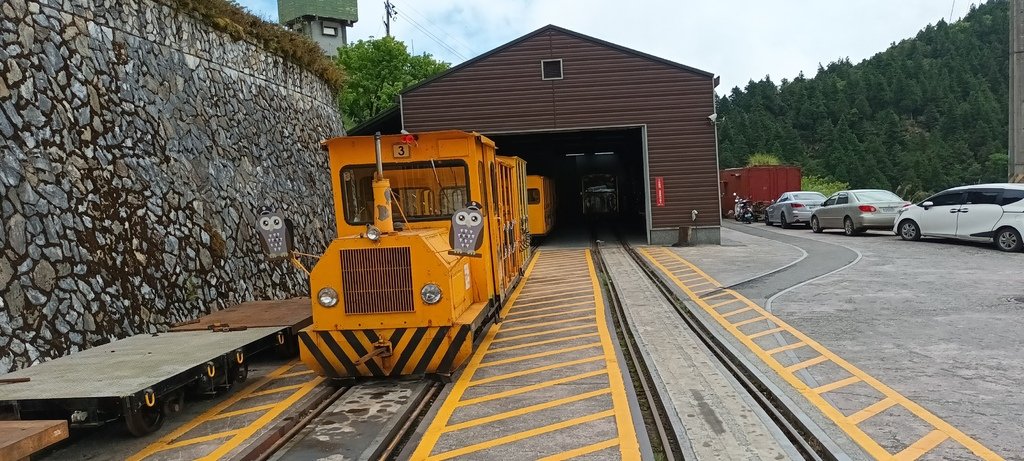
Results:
[602, 87]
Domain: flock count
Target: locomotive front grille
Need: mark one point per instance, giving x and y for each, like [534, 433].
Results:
[377, 280]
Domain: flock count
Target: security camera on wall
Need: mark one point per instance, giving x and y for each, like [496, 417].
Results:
[713, 117]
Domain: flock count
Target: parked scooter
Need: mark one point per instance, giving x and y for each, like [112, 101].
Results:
[744, 211]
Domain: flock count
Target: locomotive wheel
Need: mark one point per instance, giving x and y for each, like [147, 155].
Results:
[143, 421]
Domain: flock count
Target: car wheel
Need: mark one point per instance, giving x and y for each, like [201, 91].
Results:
[848, 228]
[909, 230]
[767, 219]
[783, 222]
[816, 226]
[1008, 239]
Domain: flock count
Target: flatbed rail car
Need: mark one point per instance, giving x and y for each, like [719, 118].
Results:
[142, 378]
[432, 236]
[541, 204]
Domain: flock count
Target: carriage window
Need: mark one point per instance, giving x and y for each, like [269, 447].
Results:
[424, 191]
[533, 195]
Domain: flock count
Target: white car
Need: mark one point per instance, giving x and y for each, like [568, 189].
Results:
[982, 213]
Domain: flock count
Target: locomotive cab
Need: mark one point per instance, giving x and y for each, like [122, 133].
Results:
[417, 268]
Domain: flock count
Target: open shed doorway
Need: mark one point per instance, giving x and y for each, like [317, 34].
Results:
[599, 178]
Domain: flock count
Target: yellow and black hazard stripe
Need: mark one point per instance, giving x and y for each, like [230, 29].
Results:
[414, 351]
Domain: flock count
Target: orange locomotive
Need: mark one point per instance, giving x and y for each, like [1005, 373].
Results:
[433, 235]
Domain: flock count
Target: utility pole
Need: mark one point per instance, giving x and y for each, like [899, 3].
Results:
[389, 13]
[1017, 91]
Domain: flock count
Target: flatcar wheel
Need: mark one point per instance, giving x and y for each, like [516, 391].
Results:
[174, 402]
[143, 421]
[240, 373]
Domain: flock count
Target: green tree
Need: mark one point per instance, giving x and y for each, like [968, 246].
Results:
[377, 70]
[763, 159]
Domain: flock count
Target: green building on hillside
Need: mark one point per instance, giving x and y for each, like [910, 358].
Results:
[325, 21]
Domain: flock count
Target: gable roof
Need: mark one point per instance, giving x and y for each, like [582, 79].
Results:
[564, 31]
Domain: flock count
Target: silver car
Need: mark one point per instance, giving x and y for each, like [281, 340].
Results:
[855, 211]
[793, 208]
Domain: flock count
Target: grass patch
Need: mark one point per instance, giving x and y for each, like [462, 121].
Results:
[231, 18]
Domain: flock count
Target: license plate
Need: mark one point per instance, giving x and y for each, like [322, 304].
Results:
[812, 207]
[889, 210]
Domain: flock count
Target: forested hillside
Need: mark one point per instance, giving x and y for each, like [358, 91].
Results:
[928, 113]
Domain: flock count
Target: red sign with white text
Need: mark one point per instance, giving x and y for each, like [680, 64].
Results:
[659, 191]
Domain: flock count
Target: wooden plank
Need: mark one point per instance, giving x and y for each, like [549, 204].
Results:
[296, 313]
[21, 439]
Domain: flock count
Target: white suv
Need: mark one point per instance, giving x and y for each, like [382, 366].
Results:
[983, 213]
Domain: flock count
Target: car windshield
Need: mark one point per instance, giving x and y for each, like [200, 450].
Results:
[425, 191]
[877, 196]
[809, 196]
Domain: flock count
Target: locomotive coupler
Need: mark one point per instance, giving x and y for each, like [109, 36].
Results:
[380, 349]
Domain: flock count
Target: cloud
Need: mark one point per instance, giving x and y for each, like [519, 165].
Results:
[737, 39]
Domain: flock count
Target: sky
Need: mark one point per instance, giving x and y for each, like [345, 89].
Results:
[739, 40]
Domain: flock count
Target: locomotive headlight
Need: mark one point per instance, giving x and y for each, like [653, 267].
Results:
[431, 293]
[327, 297]
[372, 233]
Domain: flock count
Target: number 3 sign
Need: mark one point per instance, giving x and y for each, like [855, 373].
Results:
[401, 150]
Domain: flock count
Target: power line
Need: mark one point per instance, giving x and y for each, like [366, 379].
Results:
[435, 38]
[389, 13]
[463, 44]
[951, 11]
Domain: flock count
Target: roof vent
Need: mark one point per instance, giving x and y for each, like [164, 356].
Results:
[551, 69]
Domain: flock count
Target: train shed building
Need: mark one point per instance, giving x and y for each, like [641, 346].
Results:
[627, 136]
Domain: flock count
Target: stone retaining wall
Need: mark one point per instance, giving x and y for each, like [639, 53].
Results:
[137, 144]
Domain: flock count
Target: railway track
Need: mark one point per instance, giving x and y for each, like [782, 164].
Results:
[786, 420]
[368, 420]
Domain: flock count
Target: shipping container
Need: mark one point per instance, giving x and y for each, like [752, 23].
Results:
[760, 185]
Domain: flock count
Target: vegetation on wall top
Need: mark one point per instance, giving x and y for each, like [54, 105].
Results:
[233, 19]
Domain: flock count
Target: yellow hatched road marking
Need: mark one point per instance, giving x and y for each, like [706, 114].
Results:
[275, 390]
[737, 311]
[243, 411]
[164, 441]
[629, 446]
[537, 303]
[198, 440]
[855, 433]
[560, 289]
[582, 451]
[695, 285]
[540, 343]
[691, 279]
[922, 446]
[518, 313]
[872, 410]
[297, 373]
[548, 332]
[531, 371]
[552, 314]
[748, 321]
[807, 363]
[836, 385]
[545, 324]
[526, 410]
[538, 355]
[766, 332]
[724, 293]
[522, 435]
[787, 347]
[724, 303]
[531, 388]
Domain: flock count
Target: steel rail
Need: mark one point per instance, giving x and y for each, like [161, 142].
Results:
[802, 437]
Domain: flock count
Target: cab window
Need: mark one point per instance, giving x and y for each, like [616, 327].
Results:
[533, 196]
[423, 191]
[831, 201]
